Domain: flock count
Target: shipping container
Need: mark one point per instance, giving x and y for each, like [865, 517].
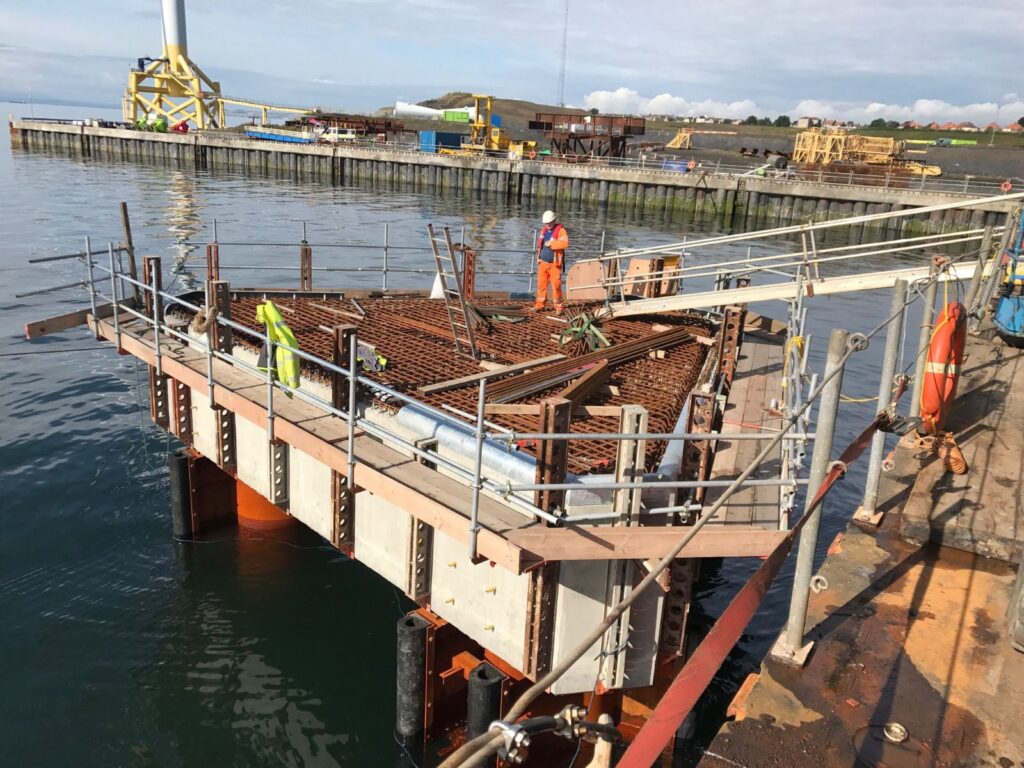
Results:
[431, 141]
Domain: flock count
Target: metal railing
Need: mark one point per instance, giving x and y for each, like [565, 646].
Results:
[807, 262]
[475, 477]
[803, 264]
[382, 251]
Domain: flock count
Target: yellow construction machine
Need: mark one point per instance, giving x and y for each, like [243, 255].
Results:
[834, 146]
[486, 138]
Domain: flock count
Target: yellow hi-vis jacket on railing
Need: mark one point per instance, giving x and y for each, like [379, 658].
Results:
[286, 362]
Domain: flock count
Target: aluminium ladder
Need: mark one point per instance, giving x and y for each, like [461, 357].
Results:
[451, 290]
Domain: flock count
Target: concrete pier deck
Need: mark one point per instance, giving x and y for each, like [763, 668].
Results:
[913, 633]
[981, 511]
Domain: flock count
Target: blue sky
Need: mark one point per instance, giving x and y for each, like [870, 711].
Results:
[902, 59]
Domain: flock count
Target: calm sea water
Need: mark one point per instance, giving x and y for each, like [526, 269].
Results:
[120, 646]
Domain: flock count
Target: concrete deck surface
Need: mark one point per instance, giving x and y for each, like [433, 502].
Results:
[910, 633]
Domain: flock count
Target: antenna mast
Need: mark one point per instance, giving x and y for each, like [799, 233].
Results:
[561, 74]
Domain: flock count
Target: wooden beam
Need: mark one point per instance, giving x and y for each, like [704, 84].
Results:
[336, 311]
[756, 322]
[58, 323]
[579, 542]
[552, 455]
[587, 384]
[511, 409]
[444, 386]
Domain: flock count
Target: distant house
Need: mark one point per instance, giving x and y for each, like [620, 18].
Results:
[1015, 128]
[833, 123]
[912, 125]
[993, 127]
[968, 126]
[933, 126]
[807, 122]
[950, 127]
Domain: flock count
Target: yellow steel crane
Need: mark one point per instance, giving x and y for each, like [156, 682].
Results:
[487, 138]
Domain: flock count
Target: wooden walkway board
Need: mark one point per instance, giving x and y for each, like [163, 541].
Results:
[758, 381]
[981, 511]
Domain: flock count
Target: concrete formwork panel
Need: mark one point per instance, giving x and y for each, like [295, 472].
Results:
[252, 452]
[580, 606]
[382, 538]
[204, 425]
[487, 603]
[309, 492]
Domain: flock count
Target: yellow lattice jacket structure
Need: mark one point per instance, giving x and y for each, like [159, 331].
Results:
[173, 86]
[817, 147]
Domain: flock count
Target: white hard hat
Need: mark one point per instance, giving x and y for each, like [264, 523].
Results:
[548, 217]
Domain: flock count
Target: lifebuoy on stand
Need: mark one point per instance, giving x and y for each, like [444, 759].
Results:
[1006, 186]
[942, 371]
[691, 165]
[532, 154]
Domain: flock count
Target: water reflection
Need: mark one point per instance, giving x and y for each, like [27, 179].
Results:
[243, 640]
[183, 221]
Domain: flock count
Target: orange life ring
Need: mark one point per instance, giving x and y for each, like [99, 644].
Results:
[691, 165]
[1006, 186]
[942, 371]
[532, 154]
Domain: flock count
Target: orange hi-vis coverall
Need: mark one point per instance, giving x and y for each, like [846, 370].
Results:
[551, 246]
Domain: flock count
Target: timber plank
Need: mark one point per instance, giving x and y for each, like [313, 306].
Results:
[642, 543]
[756, 383]
[67, 321]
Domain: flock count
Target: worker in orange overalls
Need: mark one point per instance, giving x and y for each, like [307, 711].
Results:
[551, 247]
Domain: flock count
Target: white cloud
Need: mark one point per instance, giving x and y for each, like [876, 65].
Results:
[629, 101]
[922, 110]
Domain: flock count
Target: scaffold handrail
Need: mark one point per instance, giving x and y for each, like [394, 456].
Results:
[368, 427]
[508, 492]
[799, 259]
[804, 229]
